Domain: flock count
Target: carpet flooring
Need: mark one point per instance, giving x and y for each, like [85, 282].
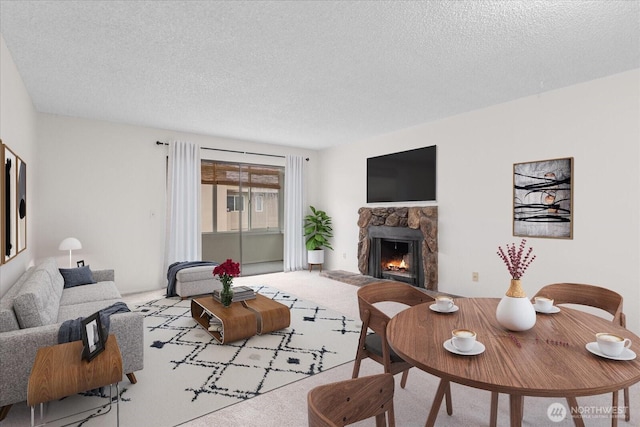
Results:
[188, 374]
[287, 406]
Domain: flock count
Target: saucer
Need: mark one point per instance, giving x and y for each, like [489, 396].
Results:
[625, 355]
[478, 348]
[435, 308]
[554, 309]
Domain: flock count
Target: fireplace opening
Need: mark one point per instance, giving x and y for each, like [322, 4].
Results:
[395, 254]
[396, 259]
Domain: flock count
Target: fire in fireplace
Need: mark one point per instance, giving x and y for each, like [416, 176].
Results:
[395, 255]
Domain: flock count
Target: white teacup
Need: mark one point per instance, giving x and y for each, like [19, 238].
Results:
[543, 303]
[444, 303]
[463, 339]
[612, 344]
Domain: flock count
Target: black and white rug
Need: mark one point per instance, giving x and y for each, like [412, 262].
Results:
[188, 374]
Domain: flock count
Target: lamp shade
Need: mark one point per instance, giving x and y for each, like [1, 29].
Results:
[70, 244]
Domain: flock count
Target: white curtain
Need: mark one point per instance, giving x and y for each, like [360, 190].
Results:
[294, 249]
[183, 203]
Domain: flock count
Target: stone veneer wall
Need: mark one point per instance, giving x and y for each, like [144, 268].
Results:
[423, 218]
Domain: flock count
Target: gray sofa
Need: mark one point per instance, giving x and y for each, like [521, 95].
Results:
[32, 311]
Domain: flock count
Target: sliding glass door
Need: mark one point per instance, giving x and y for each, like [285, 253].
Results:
[242, 215]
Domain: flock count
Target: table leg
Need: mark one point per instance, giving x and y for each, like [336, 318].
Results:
[493, 420]
[437, 401]
[614, 405]
[447, 398]
[574, 412]
[515, 409]
[118, 404]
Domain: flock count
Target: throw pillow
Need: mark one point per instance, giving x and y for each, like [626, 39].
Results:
[77, 276]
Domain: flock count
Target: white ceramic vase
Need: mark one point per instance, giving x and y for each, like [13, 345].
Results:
[515, 312]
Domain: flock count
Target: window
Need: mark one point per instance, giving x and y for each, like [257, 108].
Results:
[241, 197]
[259, 203]
[234, 202]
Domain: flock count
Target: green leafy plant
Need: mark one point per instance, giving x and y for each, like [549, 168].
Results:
[317, 230]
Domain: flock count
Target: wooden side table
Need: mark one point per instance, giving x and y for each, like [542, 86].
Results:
[60, 371]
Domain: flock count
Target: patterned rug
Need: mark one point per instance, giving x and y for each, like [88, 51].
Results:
[187, 374]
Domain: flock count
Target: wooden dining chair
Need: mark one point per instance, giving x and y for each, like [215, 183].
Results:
[347, 402]
[374, 345]
[585, 295]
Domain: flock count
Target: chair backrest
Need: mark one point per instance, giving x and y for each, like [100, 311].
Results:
[386, 291]
[347, 402]
[589, 295]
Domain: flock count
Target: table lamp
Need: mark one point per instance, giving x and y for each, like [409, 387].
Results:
[69, 244]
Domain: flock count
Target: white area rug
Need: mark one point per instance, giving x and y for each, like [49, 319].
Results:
[188, 374]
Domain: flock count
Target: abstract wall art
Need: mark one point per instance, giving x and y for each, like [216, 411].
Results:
[13, 204]
[543, 198]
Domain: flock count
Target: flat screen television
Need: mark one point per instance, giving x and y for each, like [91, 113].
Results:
[406, 176]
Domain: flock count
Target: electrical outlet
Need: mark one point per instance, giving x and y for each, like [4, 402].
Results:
[475, 276]
[344, 255]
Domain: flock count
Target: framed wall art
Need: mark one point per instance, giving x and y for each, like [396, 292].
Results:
[13, 202]
[543, 198]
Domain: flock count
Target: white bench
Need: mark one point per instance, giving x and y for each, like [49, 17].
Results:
[198, 280]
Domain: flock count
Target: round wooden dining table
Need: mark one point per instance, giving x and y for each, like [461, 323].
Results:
[549, 360]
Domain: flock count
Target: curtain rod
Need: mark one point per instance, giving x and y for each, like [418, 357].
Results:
[234, 151]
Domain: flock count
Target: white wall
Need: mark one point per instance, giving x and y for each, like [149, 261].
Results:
[597, 123]
[17, 130]
[104, 183]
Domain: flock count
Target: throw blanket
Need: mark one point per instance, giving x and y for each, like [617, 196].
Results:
[71, 330]
[177, 266]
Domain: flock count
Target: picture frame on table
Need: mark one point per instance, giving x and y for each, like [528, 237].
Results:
[93, 337]
[80, 263]
[543, 198]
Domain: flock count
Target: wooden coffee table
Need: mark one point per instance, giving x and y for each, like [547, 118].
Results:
[240, 320]
[270, 314]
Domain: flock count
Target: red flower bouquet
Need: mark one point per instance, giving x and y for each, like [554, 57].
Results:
[227, 271]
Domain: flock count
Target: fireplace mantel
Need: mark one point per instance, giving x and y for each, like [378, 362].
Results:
[423, 218]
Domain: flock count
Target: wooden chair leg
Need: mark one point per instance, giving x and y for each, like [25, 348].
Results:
[403, 380]
[4, 411]
[132, 378]
[493, 420]
[447, 399]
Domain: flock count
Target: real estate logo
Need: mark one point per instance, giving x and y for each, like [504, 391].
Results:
[556, 412]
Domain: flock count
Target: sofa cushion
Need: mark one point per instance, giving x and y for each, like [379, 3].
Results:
[37, 302]
[8, 319]
[76, 276]
[97, 292]
[69, 312]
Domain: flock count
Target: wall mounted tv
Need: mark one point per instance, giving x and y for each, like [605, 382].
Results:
[402, 177]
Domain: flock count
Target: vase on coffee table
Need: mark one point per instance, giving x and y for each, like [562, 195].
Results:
[226, 295]
[227, 271]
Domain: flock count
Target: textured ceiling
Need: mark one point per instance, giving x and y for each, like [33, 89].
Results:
[306, 73]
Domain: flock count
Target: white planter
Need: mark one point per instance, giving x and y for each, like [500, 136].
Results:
[315, 257]
[516, 314]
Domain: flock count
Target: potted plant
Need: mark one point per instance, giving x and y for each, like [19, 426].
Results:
[317, 231]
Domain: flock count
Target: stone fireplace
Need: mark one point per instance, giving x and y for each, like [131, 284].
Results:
[400, 243]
